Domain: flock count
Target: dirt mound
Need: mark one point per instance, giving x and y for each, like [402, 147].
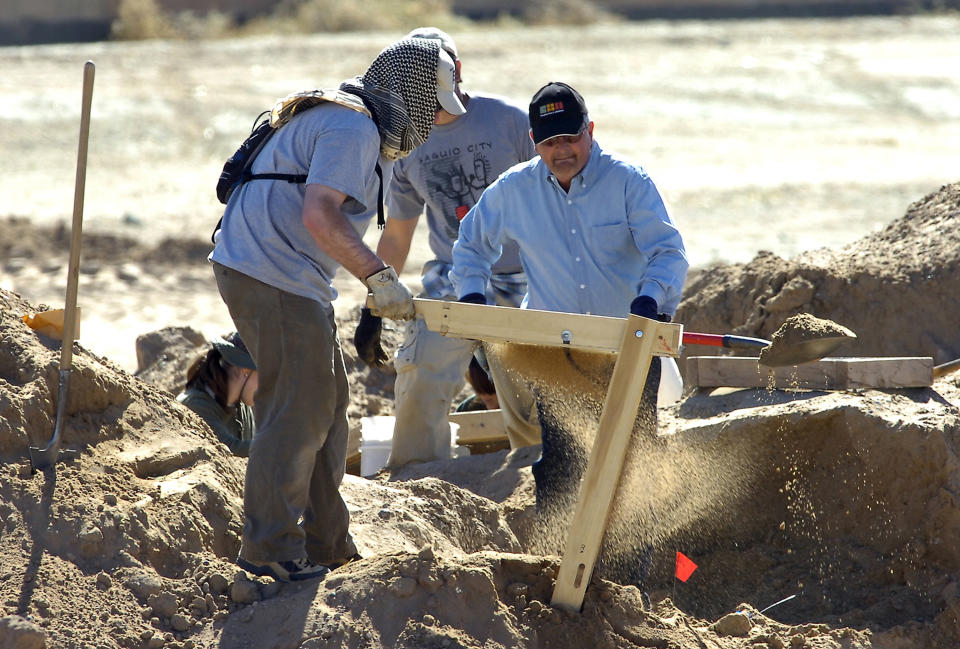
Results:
[129, 544]
[896, 289]
[163, 356]
[850, 504]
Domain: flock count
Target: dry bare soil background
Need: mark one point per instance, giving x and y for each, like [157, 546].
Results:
[848, 500]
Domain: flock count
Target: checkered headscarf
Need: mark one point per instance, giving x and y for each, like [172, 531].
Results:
[400, 89]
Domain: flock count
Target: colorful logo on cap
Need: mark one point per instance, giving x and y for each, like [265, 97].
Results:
[551, 108]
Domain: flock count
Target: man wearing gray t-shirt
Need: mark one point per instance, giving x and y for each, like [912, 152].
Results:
[275, 259]
[444, 178]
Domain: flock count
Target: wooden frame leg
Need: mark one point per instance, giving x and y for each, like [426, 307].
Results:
[606, 462]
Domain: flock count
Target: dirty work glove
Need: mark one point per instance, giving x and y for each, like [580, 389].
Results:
[391, 299]
[366, 339]
[644, 306]
[473, 298]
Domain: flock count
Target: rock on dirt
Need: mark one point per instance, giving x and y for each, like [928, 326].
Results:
[163, 356]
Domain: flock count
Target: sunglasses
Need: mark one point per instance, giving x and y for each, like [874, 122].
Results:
[565, 139]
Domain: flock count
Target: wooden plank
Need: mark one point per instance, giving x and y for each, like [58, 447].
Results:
[353, 451]
[479, 426]
[825, 374]
[532, 327]
[606, 462]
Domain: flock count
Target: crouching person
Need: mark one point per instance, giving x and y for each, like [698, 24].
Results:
[220, 386]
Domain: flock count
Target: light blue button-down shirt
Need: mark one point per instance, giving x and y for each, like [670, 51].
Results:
[590, 250]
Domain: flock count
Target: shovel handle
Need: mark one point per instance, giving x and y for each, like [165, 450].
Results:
[73, 268]
[946, 368]
[724, 340]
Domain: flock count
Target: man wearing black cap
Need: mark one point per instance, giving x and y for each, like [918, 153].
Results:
[595, 238]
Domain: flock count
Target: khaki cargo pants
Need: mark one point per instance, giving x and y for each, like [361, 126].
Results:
[430, 373]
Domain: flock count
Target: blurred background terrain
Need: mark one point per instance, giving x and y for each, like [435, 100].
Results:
[49, 21]
[783, 134]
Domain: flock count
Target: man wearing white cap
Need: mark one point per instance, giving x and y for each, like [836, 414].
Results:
[444, 179]
[276, 255]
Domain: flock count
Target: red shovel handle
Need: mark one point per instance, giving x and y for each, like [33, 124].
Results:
[710, 340]
[724, 340]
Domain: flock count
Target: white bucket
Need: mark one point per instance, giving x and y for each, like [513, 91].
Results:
[376, 441]
[376, 438]
[671, 383]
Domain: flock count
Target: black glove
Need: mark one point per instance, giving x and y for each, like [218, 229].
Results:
[644, 306]
[366, 339]
[473, 298]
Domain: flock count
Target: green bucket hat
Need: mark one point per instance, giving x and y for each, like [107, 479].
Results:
[233, 350]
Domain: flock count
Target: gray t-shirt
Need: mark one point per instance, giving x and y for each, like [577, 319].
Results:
[450, 171]
[263, 235]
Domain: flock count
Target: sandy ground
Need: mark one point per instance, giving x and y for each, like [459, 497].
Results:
[817, 519]
[779, 135]
[843, 503]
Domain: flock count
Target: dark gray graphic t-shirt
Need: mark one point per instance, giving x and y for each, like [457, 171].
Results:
[447, 174]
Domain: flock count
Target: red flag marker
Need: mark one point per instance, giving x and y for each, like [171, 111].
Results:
[685, 567]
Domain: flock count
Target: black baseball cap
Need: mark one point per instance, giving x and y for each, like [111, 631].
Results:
[556, 109]
[234, 351]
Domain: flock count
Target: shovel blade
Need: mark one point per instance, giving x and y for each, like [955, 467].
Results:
[41, 458]
[798, 353]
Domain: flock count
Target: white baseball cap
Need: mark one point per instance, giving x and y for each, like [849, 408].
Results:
[437, 34]
[447, 84]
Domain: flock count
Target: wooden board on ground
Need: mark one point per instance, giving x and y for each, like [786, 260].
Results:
[481, 431]
[496, 324]
[825, 374]
[353, 452]
[479, 426]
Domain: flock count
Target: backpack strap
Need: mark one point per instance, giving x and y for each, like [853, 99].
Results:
[290, 178]
[380, 219]
[300, 178]
[290, 105]
[282, 112]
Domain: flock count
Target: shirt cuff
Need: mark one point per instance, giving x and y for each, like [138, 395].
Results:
[472, 285]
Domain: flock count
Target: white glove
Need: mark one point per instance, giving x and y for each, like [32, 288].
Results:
[391, 298]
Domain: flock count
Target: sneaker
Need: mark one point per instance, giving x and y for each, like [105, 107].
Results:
[295, 570]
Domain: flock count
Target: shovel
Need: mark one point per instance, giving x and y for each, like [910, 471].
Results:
[41, 458]
[796, 353]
